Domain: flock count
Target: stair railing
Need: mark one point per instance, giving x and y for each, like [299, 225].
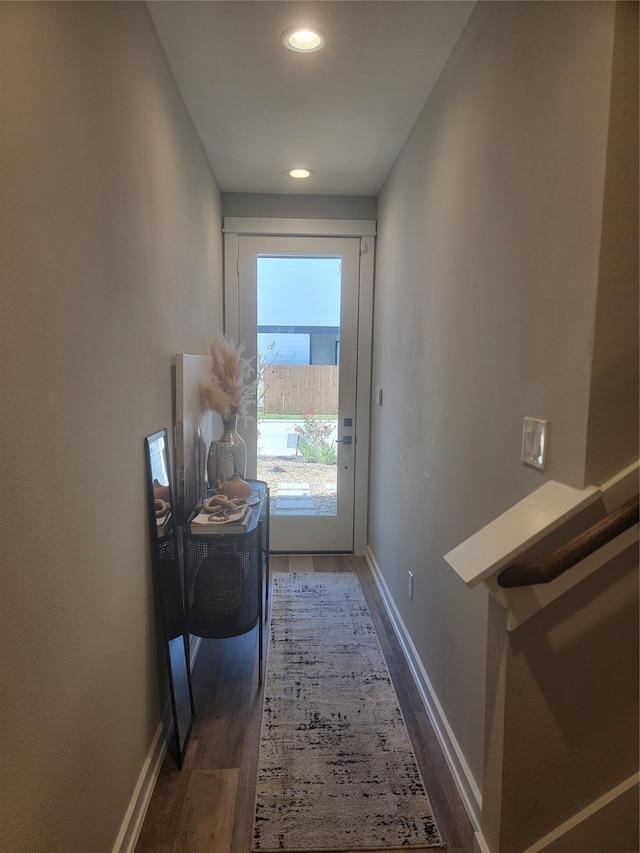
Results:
[574, 551]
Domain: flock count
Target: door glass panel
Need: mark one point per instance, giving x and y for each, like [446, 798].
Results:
[298, 346]
[298, 298]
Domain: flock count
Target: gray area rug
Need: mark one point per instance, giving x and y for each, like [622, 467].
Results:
[336, 770]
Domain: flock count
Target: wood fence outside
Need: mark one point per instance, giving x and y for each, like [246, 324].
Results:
[291, 389]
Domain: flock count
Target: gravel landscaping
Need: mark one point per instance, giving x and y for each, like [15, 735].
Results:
[294, 469]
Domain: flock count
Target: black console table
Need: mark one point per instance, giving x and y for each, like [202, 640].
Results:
[226, 576]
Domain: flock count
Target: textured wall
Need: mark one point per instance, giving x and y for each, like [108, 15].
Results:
[111, 263]
[486, 282]
[613, 414]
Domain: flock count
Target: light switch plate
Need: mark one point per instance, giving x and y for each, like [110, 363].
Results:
[534, 442]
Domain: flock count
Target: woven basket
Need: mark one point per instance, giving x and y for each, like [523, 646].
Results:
[222, 585]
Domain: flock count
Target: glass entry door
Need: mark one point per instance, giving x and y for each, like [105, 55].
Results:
[297, 315]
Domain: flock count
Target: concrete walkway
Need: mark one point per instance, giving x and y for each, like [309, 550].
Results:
[278, 438]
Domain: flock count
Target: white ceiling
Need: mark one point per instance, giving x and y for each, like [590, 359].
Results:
[345, 111]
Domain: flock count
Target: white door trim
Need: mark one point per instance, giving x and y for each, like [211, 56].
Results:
[365, 229]
[363, 394]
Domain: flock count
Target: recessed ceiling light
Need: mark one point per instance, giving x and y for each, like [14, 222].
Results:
[300, 173]
[303, 39]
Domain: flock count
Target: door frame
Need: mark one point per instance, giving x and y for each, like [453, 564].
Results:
[233, 228]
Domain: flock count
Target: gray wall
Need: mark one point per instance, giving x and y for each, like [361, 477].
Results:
[486, 284]
[111, 264]
[299, 206]
[613, 414]
[563, 688]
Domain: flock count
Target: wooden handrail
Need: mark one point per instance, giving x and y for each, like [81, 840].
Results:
[574, 551]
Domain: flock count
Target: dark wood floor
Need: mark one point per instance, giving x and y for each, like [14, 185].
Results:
[207, 807]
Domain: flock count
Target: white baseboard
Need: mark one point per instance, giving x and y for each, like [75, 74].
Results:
[479, 843]
[137, 809]
[467, 786]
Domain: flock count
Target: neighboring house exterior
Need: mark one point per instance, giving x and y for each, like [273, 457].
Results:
[299, 344]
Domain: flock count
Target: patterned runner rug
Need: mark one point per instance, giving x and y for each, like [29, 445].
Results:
[336, 769]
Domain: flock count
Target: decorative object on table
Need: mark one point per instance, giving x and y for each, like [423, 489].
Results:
[345, 726]
[220, 504]
[227, 456]
[220, 463]
[228, 522]
[163, 517]
[229, 392]
[167, 584]
[161, 492]
[195, 429]
[236, 487]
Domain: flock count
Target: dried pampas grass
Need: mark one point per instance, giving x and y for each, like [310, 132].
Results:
[231, 387]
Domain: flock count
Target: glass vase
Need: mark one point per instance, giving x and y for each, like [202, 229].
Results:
[227, 456]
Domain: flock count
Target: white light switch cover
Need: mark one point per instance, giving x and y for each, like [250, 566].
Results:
[534, 442]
